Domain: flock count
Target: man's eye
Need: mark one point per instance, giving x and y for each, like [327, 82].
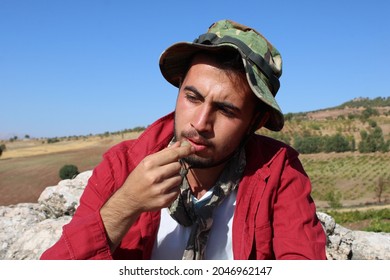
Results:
[228, 113]
[191, 98]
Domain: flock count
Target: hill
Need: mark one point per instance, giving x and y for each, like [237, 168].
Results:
[349, 119]
[356, 176]
[348, 178]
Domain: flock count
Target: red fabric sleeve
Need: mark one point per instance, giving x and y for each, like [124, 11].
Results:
[275, 216]
[84, 237]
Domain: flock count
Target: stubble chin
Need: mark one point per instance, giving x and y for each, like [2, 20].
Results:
[197, 162]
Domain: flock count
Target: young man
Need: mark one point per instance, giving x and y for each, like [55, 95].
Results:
[199, 183]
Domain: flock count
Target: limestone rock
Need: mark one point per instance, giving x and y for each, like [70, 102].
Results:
[15, 220]
[63, 199]
[345, 244]
[34, 241]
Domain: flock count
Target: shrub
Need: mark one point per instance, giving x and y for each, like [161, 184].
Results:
[52, 140]
[308, 144]
[334, 199]
[373, 141]
[2, 148]
[368, 112]
[337, 143]
[68, 171]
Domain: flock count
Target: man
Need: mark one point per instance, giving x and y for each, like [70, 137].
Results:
[199, 183]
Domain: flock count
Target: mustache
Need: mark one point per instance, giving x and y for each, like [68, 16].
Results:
[196, 137]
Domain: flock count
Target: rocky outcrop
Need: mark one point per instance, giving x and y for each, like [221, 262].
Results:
[28, 229]
[345, 244]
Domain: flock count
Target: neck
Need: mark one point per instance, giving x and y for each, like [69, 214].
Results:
[202, 180]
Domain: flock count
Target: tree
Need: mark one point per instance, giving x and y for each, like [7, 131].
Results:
[337, 143]
[308, 144]
[380, 188]
[373, 141]
[68, 171]
[2, 149]
[368, 112]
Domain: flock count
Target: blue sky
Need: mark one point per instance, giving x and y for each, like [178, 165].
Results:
[71, 67]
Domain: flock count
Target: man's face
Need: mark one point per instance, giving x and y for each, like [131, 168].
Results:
[214, 112]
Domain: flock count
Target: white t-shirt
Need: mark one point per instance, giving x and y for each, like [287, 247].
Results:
[172, 237]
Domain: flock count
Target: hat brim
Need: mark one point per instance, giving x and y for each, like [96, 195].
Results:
[175, 60]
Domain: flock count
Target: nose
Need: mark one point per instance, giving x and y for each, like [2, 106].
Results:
[203, 119]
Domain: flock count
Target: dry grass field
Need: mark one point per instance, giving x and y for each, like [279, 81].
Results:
[27, 167]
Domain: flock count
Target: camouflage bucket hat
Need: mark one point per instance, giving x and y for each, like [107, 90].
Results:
[262, 62]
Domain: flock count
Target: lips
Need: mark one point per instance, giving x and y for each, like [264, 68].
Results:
[198, 144]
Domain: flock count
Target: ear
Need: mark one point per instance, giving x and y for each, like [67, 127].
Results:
[263, 121]
[258, 121]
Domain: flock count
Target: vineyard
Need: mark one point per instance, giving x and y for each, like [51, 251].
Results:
[349, 178]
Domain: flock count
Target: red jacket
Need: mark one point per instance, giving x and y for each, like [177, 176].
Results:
[275, 216]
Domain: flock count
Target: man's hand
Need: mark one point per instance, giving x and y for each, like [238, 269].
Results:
[153, 184]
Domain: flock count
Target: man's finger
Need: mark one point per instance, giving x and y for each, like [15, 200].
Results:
[174, 153]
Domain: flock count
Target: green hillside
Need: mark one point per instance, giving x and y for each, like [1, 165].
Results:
[356, 120]
[345, 151]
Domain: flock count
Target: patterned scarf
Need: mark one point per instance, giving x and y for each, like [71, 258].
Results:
[200, 215]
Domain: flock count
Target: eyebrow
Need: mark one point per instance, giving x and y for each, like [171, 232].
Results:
[218, 103]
